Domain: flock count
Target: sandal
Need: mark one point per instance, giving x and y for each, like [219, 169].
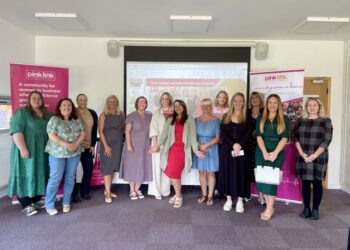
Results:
[108, 199]
[172, 199]
[210, 201]
[178, 202]
[113, 195]
[266, 215]
[140, 195]
[202, 199]
[133, 196]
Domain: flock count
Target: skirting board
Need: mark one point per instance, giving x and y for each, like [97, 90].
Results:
[346, 189]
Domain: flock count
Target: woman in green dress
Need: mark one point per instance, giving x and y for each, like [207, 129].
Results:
[272, 131]
[29, 169]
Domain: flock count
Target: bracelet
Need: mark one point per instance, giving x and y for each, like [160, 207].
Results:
[314, 156]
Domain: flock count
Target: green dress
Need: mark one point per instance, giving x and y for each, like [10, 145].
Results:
[271, 140]
[28, 177]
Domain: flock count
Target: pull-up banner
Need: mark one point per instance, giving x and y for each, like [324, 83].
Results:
[289, 85]
[52, 82]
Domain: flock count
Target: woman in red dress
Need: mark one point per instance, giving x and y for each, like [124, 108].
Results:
[176, 142]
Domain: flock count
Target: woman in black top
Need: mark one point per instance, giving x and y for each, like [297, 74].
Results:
[256, 107]
[233, 173]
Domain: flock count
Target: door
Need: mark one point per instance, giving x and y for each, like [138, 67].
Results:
[321, 87]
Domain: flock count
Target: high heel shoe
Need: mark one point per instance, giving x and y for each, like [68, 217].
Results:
[267, 214]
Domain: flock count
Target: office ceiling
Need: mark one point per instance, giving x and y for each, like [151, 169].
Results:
[231, 19]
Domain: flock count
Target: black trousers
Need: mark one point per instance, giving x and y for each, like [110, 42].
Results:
[87, 162]
[26, 201]
[317, 191]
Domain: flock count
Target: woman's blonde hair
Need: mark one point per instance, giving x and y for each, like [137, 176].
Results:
[321, 112]
[205, 101]
[170, 99]
[261, 100]
[281, 126]
[106, 110]
[242, 115]
[217, 96]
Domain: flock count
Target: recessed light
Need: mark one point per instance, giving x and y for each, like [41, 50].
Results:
[63, 15]
[328, 19]
[319, 25]
[189, 18]
[190, 24]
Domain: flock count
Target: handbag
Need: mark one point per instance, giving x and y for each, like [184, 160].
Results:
[268, 175]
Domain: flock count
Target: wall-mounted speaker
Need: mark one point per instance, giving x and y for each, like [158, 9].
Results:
[261, 50]
[112, 48]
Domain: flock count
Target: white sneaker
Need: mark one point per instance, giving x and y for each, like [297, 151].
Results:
[52, 211]
[228, 206]
[29, 210]
[239, 207]
[66, 208]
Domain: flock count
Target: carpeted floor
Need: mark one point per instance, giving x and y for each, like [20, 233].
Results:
[153, 224]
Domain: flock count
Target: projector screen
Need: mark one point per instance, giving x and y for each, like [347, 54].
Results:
[188, 73]
[188, 81]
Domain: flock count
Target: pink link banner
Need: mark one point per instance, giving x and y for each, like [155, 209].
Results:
[52, 82]
[289, 85]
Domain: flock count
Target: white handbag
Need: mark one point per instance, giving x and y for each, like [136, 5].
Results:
[268, 175]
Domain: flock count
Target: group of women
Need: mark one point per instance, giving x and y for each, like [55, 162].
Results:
[225, 143]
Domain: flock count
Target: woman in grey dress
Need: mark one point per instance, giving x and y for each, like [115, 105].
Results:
[111, 129]
[312, 135]
[136, 163]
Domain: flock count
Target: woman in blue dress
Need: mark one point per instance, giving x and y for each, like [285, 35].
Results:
[208, 136]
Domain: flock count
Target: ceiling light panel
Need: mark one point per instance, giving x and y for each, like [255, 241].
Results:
[63, 21]
[190, 24]
[319, 25]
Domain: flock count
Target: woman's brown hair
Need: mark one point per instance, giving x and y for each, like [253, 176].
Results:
[184, 115]
[281, 126]
[42, 107]
[73, 115]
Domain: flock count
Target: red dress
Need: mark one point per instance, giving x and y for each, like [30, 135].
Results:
[176, 155]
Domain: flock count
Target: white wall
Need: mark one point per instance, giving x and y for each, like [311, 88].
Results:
[16, 46]
[345, 171]
[97, 75]
[91, 70]
[318, 58]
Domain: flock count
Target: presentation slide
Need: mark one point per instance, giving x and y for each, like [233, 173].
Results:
[189, 82]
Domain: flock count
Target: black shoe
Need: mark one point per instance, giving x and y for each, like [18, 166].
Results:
[86, 197]
[314, 215]
[306, 213]
[76, 199]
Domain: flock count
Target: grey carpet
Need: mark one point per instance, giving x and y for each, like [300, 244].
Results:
[153, 224]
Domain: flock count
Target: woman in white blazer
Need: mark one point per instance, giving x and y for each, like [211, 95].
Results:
[160, 186]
